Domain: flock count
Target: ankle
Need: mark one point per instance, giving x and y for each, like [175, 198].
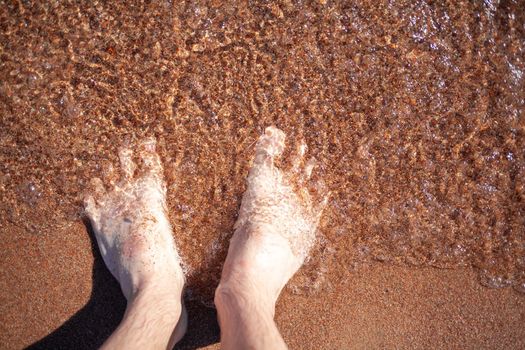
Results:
[160, 307]
[237, 298]
[246, 319]
[167, 284]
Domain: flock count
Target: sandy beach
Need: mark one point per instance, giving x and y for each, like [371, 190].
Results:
[413, 111]
[70, 301]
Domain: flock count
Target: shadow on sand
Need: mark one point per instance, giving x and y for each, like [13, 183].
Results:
[94, 323]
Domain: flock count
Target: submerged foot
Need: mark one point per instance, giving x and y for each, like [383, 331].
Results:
[132, 230]
[276, 226]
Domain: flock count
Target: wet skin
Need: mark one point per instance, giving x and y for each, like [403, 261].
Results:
[273, 234]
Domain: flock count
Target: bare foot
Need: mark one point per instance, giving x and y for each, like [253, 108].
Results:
[276, 226]
[133, 232]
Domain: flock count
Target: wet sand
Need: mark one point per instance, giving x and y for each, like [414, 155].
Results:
[414, 111]
[63, 299]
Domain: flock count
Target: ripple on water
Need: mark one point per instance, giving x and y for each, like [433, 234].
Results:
[416, 121]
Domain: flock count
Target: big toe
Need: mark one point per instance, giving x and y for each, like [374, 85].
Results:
[151, 160]
[90, 207]
[274, 141]
[270, 145]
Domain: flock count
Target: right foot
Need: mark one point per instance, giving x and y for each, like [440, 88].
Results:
[276, 226]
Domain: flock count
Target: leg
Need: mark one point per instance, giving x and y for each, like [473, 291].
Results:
[273, 234]
[136, 243]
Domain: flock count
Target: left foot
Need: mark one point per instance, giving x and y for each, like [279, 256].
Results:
[133, 232]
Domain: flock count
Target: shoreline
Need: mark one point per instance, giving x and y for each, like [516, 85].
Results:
[378, 306]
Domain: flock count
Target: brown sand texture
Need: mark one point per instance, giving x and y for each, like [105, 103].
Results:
[66, 299]
[414, 111]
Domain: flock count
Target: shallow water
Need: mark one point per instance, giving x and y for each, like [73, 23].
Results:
[414, 110]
